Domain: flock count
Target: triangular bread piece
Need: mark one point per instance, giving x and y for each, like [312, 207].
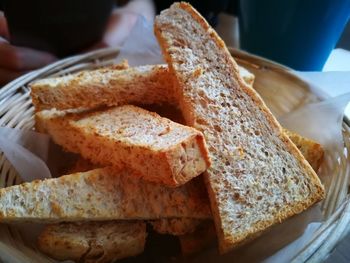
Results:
[258, 177]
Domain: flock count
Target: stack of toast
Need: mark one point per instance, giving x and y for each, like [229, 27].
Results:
[220, 167]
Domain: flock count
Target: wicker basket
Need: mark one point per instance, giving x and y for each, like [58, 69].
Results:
[16, 111]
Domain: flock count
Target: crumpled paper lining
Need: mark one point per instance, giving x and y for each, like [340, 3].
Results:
[141, 47]
[28, 151]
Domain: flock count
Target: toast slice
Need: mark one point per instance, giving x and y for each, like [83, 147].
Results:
[258, 177]
[311, 150]
[93, 241]
[101, 194]
[106, 86]
[110, 86]
[158, 149]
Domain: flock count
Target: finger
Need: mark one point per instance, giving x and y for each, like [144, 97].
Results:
[8, 75]
[32, 59]
[3, 26]
[21, 58]
[120, 30]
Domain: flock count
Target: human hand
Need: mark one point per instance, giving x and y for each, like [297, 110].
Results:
[122, 20]
[118, 28]
[15, 61]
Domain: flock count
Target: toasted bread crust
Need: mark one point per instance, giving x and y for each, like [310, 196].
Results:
[178, 52]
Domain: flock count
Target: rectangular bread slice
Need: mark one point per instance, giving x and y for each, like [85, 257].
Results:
[149, 84]
[158, 149]
[101, 194]
[93, 241]
[106, 86]
[258, 177]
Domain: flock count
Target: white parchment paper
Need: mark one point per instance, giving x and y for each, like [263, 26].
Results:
[141, 47]
[28, 152]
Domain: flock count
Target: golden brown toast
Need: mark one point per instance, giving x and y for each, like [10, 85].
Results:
[158, 149]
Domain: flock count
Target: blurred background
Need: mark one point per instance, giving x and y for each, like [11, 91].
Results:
[296, 33]
[233, 39]
[344, 41]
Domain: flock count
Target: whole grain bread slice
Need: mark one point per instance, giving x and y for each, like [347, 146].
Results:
[90, 242]
[111, 86]
[101, 194]
[258, 177]
[107, 86]
[158, 149]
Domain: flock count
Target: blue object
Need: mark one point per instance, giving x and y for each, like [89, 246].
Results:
[297, 33]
